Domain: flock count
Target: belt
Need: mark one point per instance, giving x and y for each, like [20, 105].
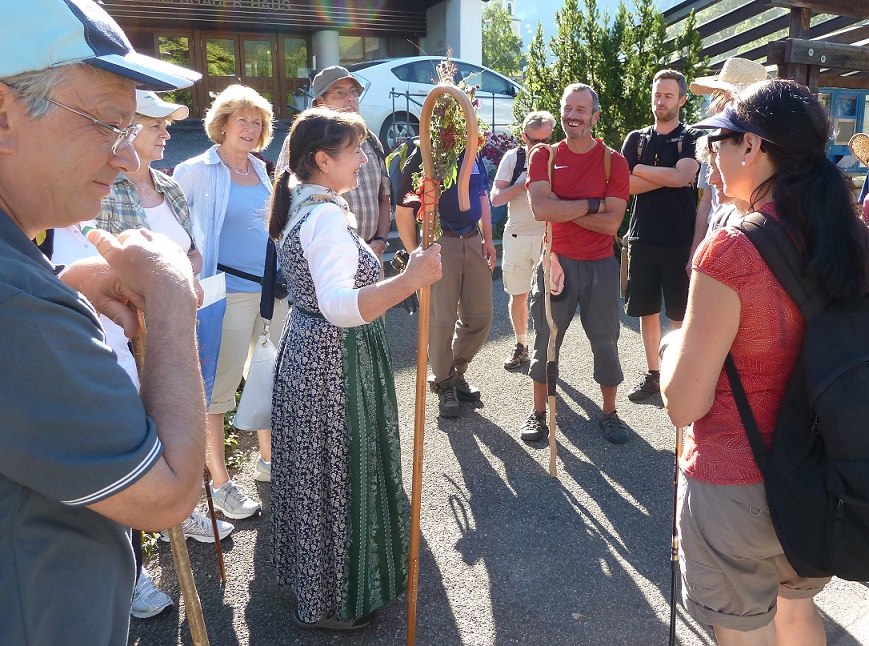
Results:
[461, 236]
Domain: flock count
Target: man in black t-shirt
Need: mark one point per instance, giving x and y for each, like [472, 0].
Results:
[663, 175]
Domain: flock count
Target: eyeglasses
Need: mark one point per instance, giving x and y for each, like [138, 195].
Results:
[711, 140]
[342, 95]
[125, 136]
[534, 142]
[244, 122]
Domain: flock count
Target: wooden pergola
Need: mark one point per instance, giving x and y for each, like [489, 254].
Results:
[825, 44]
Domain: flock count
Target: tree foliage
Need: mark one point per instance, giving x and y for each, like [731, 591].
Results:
[502, 49]
[617, 55]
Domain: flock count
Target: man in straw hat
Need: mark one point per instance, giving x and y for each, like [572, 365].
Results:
[735, 75]
[82, 457]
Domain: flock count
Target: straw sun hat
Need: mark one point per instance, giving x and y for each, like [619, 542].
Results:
[735, 74]
[859, 145]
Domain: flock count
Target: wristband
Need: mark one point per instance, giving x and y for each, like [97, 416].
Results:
[382, 239]
[593, 205]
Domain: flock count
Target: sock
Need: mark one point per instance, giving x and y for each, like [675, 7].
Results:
[523, 339]
[656, 373]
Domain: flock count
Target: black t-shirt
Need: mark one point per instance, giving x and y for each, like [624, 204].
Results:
[451, 217]
[665, 215]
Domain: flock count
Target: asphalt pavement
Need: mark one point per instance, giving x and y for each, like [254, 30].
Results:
[508, 555]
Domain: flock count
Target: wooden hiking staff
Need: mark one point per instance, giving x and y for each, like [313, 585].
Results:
[551, 348]
[176, 536]
[430, 195]
[674, 545]
[218, 548]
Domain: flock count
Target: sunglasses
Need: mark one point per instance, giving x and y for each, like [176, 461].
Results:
[711, 140]
[534, 142]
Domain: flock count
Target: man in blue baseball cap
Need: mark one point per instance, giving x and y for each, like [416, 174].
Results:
[82, 457]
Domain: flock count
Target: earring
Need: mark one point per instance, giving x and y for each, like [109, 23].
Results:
[743, 163]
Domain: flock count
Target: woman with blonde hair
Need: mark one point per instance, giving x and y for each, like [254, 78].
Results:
[228, 190]
[769, 148]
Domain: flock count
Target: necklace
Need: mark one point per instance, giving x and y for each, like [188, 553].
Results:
[244, 174]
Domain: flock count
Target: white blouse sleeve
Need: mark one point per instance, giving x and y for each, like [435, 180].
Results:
[333, 259]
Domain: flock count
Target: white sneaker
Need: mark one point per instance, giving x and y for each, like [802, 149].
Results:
[263, 470]
[233, 502]
[148, 601]
[198, 527]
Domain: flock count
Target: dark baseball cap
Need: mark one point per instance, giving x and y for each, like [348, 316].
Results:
[730, 120]
[52, 33]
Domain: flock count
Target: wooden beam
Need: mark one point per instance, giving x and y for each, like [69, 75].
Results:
[853, 8]
[818, 52]
[799, 23]
[683, 10]
[855, 82]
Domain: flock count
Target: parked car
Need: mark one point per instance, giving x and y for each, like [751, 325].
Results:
[396, 89]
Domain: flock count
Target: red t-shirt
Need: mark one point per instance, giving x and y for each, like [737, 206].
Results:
[579, 177]
[771, 330]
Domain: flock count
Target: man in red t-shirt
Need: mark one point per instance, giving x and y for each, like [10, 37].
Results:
[586, 211]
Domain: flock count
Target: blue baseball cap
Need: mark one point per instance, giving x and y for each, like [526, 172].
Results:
[62, 32]
[730, 120]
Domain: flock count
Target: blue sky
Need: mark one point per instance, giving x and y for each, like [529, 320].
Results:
[533, 11]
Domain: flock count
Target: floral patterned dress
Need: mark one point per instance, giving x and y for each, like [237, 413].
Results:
[339, 526]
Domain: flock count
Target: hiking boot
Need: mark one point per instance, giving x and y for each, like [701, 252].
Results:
[198, 527]
[232, 501]
[614, 429]
[262, 472]
[148, 600]
[520, 356]
[534, 428]
[650, 385]
[448, 399]
[465, 391]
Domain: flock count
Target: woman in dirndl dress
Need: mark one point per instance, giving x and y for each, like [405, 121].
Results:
[339, 527]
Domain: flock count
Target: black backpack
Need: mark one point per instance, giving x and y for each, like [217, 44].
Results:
[817, 472]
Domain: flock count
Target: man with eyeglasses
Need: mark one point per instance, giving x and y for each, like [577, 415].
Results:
[523, 235]
[82, 456]
[661, 232]
[335, 87]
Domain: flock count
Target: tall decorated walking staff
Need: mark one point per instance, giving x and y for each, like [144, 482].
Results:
[429, 194]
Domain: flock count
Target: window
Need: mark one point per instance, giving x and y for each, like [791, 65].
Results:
[355, 49]
[221, 56]
[296, 57]
[258, 58]
[176, 49]
[845, 118]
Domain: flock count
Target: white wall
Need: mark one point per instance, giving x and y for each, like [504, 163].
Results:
[455, 25]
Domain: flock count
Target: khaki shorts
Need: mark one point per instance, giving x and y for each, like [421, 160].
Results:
[731, 561]
[521, 255]
[242, 325]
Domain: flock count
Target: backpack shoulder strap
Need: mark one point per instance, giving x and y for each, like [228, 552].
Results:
[644, 136]
[758, 448]
[607, 161]
[520, 164]
[778, 251]
[376, 145]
